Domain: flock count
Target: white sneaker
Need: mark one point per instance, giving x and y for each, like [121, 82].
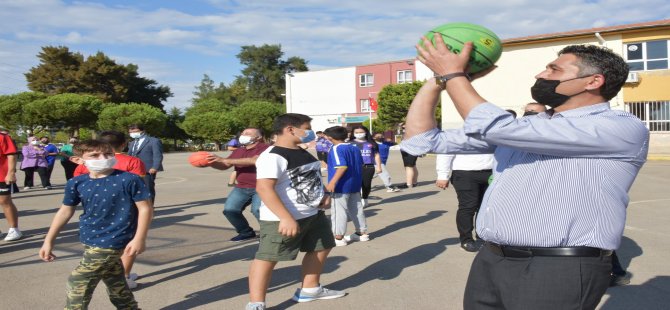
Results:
[341, 242]
[131, 283]
[322, 293]
[356, 237]
[13, 234]
[26, 188]
[392, 189]
[364, 202]
[132, 276]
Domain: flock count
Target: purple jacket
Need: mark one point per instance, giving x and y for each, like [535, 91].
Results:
[33, 157]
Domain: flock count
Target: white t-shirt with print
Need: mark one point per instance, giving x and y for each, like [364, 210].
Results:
[299, 184]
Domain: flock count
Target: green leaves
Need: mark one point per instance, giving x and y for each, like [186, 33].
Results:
[118, 117]
[62, 71]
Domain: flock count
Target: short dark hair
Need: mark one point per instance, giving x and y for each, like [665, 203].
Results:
[338, 133]
[319, 132]
[136, 126]
[86, 146]
[289, 119]
[114, 138]
[600, 60]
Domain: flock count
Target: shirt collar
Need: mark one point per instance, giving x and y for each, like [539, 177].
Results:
[578, 112]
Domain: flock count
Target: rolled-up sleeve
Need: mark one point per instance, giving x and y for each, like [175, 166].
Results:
[451, 141]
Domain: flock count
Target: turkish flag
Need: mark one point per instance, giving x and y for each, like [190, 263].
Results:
[373, 104]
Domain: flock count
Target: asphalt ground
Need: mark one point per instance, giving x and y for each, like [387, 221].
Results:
[413, 261]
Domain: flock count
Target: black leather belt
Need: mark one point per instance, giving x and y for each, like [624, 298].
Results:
[522, 252]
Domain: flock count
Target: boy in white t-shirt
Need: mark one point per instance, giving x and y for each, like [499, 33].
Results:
[291, 218]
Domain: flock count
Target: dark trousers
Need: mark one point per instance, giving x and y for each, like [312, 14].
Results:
[30, 172]
[470, 187]
[150, 181]
[368, 175]
[50, 169]
[69, 168]
[547, 283]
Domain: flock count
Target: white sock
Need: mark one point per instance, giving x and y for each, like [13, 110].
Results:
[16, 229]
[257, 303]
[311, 290]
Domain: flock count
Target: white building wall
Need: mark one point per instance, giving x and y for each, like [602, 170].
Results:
[323, 95]
[508, 86]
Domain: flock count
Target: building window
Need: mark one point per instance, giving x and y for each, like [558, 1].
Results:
[650, 55]
[366, 80]
[654, 114]
[404, 76]
[365, 105]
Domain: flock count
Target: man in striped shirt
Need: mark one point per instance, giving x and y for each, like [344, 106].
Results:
[550, 248]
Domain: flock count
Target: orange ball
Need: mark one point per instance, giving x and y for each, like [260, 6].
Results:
[199, 159]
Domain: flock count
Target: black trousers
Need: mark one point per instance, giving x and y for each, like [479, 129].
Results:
[470, 187]
[30, 172]
[368, 175]
[547, 283]
[69, 168]
[50, 169]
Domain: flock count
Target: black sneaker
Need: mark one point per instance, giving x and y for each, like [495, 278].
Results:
[619, 279]
[240, 238]
[403, 186]
[469, 246]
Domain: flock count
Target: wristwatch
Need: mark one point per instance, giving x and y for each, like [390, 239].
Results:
[442, 80]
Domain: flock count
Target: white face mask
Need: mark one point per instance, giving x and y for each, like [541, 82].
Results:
[359, 136]
[246, 140]
[135, 135]
[35, 142]
[100, 164]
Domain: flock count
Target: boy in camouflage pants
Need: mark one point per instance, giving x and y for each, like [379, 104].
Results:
[115, 221]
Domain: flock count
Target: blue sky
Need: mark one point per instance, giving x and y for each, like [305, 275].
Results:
[176, 42]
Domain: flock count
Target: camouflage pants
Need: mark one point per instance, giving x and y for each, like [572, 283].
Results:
[99, 264]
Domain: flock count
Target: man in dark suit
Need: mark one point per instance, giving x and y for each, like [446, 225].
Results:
[149, 150]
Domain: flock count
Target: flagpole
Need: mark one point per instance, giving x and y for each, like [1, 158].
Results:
[371, 132]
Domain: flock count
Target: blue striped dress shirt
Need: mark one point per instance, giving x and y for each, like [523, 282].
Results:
[558, 180]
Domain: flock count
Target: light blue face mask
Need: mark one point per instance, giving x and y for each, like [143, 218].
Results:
[309, 136]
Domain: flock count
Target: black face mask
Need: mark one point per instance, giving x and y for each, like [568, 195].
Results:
[527, 113]
[544, 92]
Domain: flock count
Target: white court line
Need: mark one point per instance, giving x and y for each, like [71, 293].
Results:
[645, 201]
[171, 182]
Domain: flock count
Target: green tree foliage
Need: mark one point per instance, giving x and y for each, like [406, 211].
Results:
[172, 130]
[57, 72]
[264, 71]
[118, 117]
[12, 115]
[258, 114]
[394, 101]
[211, 126]
[71, 111]
[62, 71]
[207, 105]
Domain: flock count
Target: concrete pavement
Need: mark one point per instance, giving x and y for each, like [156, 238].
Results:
[412, 262]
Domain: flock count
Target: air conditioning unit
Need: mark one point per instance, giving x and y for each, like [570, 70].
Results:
[633, 77]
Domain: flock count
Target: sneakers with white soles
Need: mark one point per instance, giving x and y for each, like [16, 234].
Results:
[13, 234]
[341, 242]
[131, 283]
[357, 237]
[392, 189]
[132, 276]
[323, 293]
[255, 306]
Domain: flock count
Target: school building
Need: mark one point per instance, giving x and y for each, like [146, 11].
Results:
[342, 96]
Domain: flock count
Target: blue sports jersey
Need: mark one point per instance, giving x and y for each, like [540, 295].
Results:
[346, 155]
[109, 220]
[368, 151]
[384, 151]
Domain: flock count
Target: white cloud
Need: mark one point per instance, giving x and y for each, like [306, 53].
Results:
[326, 33]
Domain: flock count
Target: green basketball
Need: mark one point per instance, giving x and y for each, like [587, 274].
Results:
[487, 47]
